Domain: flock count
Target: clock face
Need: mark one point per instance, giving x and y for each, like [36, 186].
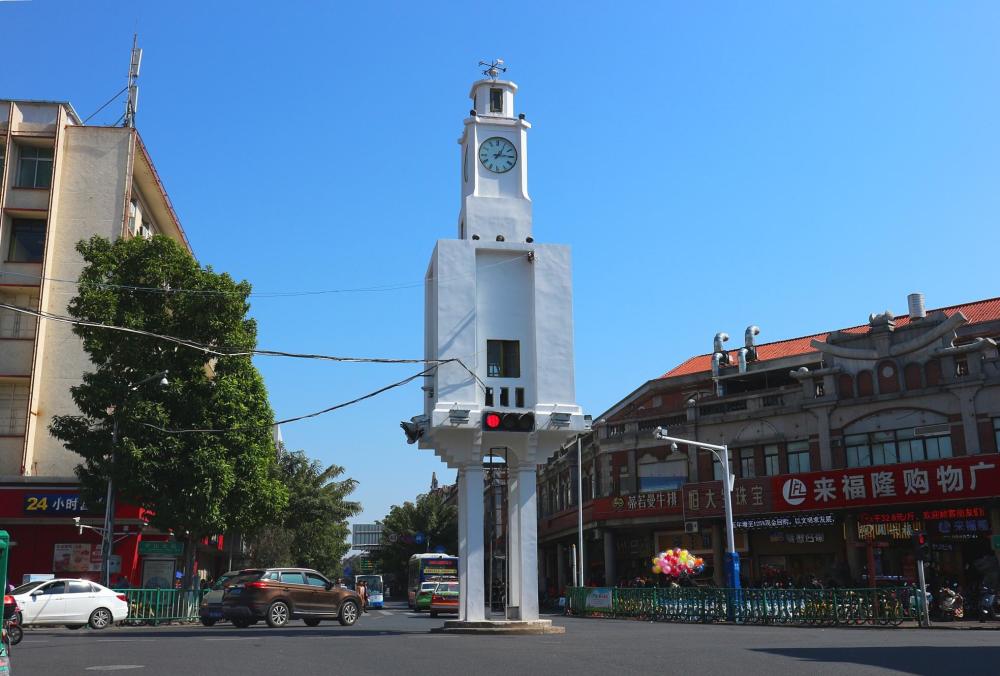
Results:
[498, 154]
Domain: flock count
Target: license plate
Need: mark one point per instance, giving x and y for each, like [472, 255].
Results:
[215, 614]
[235, 592]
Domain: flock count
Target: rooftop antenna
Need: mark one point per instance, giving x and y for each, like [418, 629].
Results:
[132, 103]
[493, 69]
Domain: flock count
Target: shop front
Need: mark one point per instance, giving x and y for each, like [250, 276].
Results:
[799, 549]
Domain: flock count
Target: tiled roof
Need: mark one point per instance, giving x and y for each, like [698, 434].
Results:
[980, 311]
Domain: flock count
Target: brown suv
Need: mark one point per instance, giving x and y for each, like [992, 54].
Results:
[277, 595]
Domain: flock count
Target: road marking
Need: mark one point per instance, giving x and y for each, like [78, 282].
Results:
[233, 638]
[116, 667]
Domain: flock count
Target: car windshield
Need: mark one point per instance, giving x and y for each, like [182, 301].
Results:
[447, 587]
[245, 576]
[25, 588]
[428, 586]
[223, 581]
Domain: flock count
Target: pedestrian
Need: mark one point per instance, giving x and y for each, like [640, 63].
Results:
[362, 590]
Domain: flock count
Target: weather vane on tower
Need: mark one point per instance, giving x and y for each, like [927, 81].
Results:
[493, 69]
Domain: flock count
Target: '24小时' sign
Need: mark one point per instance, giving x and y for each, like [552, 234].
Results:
[54, 503]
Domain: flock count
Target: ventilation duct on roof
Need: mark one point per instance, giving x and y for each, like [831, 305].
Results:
[717, 348]
[751, 331]
[915, 301]
[716, 362]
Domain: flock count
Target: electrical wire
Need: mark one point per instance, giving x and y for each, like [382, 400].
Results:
[108, 103]
[254, 294]
[329, 409]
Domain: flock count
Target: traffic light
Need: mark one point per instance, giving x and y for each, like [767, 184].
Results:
[921, 546]
[497, 421]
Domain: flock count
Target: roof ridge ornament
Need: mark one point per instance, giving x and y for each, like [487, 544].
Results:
[494, 68]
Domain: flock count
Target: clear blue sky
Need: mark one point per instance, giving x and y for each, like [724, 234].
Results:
[794, 165]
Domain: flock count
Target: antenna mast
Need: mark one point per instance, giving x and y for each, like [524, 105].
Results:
[132, 102]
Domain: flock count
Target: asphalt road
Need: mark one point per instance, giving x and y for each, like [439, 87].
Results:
[396, 641]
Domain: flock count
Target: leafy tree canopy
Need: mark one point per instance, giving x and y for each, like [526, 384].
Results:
[430, 516]
[313, 531]
[197, 483]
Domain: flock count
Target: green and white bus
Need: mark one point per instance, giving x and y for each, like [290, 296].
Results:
[429, 568]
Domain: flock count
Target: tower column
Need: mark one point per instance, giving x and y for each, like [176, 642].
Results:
[524, 567]
[470, 544]
[513, 539]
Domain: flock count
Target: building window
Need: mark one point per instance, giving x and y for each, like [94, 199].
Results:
[13, 408]
[3, 155]
[503, 358]
[518, 397]
[27, 241]
[771, 466]
[717, 472]
[15, 324]
[798, 457]
[859, 454]
[961, 367]
[894, 446]
[818, 389]
[496, 100]
[489, 396]
[505, 396]
[747, 469]
[34, 168]
[667, 475]
[623, 477]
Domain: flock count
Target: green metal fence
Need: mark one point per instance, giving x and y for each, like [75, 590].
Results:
[816, 607]
[156, 606]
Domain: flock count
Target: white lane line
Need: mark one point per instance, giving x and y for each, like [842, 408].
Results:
[234, 638]
[115, 667]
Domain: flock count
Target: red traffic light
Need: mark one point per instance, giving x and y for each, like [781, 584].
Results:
[508, 421]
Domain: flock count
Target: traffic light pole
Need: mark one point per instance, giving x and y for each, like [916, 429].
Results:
[925, 620]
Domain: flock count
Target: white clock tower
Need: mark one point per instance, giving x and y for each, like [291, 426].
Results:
[501, 306]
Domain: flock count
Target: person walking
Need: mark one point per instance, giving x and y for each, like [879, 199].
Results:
[362, 590]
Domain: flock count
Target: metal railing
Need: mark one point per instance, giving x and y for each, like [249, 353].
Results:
[814, 607]
[156, 606]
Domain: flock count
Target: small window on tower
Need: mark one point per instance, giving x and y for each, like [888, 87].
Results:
[496, 100]
[503, 359]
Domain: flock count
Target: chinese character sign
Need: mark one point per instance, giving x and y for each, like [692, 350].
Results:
[950, 479]
[54, 503]
[707, 499]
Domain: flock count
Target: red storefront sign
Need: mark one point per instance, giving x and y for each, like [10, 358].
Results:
[976, 476]
[706, 499]
[657, 503]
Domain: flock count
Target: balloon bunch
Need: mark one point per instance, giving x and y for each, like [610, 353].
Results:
[678, 563]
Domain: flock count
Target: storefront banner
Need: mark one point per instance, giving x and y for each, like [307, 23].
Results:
[652, 504]
[791, 521]
[968, 477]
[81, 557]
[599, 598]
[706, 499]
[54, 503]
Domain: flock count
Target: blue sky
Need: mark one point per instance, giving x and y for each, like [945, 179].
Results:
[787, 164]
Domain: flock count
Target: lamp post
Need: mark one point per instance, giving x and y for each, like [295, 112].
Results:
[721, 453]
[108, 534]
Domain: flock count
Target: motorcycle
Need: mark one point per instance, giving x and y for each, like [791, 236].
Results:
[949, 604]
[989, 604]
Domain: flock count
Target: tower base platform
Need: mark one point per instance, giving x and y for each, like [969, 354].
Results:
[503, 627]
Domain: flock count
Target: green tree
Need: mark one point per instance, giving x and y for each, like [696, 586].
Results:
[195, 484]
[431, 516]
[313, 530]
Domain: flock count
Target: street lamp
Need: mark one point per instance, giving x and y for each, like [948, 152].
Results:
[108, 534]
[721, 454]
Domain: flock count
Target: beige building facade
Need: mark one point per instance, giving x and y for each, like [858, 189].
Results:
[60, 182]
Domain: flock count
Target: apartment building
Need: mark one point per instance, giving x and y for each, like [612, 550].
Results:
[843, 444]
[60, 182]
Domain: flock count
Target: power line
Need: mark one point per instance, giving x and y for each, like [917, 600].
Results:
[254, 294]
[315, 414]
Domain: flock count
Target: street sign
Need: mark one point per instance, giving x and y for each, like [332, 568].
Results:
[419, 538]
[161, 548]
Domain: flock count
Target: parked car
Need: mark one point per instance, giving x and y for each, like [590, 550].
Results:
[210, 610]
[423, 599]
[444, 598]
[74, 603]
[277, 595]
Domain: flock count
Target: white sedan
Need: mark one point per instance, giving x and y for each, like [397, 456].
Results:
[74, 603]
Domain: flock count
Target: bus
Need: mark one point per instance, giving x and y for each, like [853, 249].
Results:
[375, 588]
[429, 568]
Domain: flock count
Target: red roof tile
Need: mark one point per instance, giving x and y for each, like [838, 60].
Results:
[977, 312]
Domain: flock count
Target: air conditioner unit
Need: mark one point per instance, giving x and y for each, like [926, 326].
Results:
[690, 527]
